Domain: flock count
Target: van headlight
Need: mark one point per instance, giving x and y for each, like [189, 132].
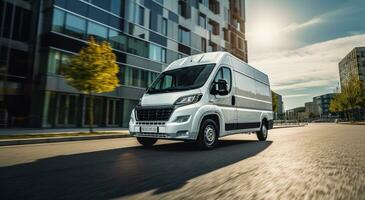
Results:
[188, 99]
[181, 119]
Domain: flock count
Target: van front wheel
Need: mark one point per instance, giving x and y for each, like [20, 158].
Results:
[262, 134]
[208, 135]
[147, 142]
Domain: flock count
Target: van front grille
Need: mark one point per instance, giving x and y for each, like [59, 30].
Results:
[153, 114]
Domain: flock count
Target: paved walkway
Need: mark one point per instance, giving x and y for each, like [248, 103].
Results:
[16, 131]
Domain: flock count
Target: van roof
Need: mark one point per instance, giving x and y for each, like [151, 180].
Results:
[220, 57]
[203, 58]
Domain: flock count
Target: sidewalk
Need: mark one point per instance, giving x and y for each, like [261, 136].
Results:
[288, 126]
[353, 123]
[24, 131]
[36, 136]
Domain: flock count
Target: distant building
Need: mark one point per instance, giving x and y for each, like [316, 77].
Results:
[321, 105]
[296, 114]
[309, 110]
[353, 64]
[279, 114]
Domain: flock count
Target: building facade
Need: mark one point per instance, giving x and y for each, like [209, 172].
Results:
[37, 37]
[321, 106]
[309, 110]
[353, 64]
[295, 114]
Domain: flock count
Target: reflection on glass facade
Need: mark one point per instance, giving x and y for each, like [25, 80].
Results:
[146, 35]
[75, 26]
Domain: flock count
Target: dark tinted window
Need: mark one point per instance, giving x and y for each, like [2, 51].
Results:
[98, 15]
[104, 4]
[77, 7]
[116, 6]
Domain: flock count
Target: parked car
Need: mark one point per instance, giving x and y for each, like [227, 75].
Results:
[202, 98]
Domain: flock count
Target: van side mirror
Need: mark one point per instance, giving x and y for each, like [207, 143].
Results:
[219, 87]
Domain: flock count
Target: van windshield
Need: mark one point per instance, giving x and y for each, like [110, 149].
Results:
[181, 79]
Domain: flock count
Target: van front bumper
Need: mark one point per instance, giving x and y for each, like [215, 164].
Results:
[170, 129]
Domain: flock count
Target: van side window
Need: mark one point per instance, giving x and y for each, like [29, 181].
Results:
[225, 74]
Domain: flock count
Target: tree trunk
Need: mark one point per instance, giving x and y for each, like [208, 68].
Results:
[91, 112]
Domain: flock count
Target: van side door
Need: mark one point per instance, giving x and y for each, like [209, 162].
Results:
[226, 102]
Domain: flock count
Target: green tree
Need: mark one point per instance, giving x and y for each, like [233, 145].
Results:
[275, 102]
[93, 70]
[351, 98]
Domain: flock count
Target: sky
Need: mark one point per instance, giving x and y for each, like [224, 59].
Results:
[299, 43]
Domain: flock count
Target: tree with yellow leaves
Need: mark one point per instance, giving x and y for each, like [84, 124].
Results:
[93, 70]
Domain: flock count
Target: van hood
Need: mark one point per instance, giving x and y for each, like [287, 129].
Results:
[165, 99]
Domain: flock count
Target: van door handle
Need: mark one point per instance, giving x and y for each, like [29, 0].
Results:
[233, 100]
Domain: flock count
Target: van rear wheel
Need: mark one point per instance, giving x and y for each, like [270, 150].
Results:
[262, 134]
[147, 142]
[208, 135]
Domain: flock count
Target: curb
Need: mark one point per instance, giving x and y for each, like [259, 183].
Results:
[288, 126]
[59, 139]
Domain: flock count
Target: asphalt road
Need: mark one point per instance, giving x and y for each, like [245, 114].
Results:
[318, 161]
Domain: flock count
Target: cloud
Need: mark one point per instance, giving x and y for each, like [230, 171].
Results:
[296, 95]
[296, 26]
[314, 65]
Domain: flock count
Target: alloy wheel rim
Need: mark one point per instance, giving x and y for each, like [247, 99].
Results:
[209, 135]
[264, 131]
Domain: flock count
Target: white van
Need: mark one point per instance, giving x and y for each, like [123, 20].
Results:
[201, 98]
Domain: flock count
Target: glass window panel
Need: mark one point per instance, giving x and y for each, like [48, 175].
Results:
[164, 26]
[138, 47]
[98, 15]
[139, 15]
[117, 40]
[97, 31]
[102, 3]
[118, 112]
[184, 36]
[54, 60]
[75, 26]
[61, 109]
[163, 55]
[48, 111]
[144, 78]
[202, 21]
[115, 6]
[58, 20]
[204, 45]
[72, 110]
[155, 53]
[111, 109]
[135, 77]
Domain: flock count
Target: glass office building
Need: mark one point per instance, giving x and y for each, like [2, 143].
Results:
[37, 37]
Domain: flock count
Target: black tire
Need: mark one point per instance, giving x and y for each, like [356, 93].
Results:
[147, 142]
[262, 134]
[208, 135]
